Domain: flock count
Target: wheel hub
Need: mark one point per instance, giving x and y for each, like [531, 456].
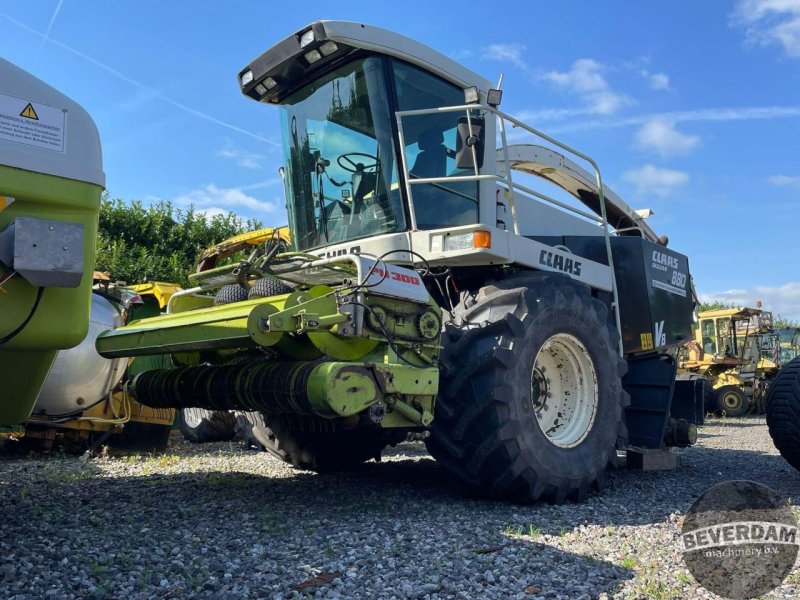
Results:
[731, 400]
[192, 417]
[564, 390]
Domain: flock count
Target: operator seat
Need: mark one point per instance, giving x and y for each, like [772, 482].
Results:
[432, 159]
[438, 205]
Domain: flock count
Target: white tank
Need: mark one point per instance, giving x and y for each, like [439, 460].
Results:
[80, 377]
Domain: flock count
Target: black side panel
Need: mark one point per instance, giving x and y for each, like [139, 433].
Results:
[690, 398]
[649, 382]
[654, 292]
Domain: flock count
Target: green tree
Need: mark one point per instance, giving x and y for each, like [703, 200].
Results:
[716, 305]
[781, 322]
[138, 243]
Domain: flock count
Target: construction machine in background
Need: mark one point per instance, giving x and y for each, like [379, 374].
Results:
[739, 352]
[500, 297]
[80, 405]
[786, 344]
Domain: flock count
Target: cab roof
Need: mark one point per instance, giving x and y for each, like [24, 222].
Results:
[288, 68]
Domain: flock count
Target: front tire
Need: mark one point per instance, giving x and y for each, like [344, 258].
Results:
[783, 412]
[313, 444]
[268, 287]
[532, 405]
[731, 401]
[199, 425]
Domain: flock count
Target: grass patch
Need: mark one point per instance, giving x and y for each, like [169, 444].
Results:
[518, 531]
[649, 584]
[63, 474]
[512, 531]
[534, 531]
[684, 578]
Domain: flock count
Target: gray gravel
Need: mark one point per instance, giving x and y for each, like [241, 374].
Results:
[215, 521]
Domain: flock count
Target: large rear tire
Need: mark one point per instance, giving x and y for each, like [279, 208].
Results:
[783, 412]
[731, 401]
[532, 405]
[199, 425]
[312, 444]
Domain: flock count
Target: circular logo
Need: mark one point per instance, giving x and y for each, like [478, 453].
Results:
[739, 539]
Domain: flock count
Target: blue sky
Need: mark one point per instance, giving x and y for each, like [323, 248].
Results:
[691, 108]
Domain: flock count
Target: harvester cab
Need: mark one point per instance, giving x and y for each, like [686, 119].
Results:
[530, 334]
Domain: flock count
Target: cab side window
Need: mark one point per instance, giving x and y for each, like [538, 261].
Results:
[430, 142]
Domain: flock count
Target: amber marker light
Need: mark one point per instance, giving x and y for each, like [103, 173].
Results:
[481, 239]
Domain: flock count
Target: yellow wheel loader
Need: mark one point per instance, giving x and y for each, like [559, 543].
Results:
[733, 350]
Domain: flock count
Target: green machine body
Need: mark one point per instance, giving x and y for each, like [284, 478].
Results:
[51, 182]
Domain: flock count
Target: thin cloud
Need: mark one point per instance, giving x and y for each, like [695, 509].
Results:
[744, 113]
[656, 81]
[770, 22]
[785, 181]
[261, 184]
[660, 135]
[50, 24]
[141, 86]
[782, 300]
[248, 160]
[211, 196]
[654, 181]
[506, 53]
[586, 79]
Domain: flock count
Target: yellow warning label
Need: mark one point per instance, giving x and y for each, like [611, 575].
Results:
[29, 113]
[646, 340]
[4, 202]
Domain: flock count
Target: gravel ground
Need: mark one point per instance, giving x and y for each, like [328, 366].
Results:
[214, 521]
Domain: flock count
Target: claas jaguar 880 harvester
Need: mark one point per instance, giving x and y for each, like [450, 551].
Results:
[429, 288]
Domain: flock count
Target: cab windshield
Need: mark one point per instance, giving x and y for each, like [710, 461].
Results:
[341, 170]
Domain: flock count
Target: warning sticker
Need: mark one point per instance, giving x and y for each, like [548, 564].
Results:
[32, 123]
[646, 340]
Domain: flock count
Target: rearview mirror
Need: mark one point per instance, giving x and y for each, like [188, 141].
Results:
[466, 142]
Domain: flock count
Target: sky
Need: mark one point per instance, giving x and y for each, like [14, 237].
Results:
[691, 108]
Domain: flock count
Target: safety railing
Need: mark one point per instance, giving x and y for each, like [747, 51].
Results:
[506, 179]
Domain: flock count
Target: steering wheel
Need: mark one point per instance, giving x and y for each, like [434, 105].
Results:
[346, 162]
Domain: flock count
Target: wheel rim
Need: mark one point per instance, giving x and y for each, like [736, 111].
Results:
[731, 400]
[192, 417]
[564, 390]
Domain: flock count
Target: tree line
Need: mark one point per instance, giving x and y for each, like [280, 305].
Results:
[778, 322]
[158, 242]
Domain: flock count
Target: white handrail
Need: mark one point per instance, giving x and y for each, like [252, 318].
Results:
[507, 180]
